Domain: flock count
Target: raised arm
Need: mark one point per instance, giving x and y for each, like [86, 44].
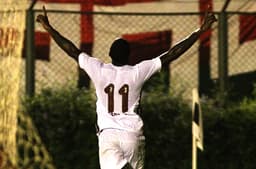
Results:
[62, 42]
[177, 50]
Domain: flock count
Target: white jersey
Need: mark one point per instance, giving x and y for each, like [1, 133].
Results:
[118, 90]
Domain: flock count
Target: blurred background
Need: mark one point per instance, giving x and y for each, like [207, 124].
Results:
[57, 110]
[223, 55]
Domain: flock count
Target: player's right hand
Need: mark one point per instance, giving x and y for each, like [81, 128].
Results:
[43, 19]
[209, 19]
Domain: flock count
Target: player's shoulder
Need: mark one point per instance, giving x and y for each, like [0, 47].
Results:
[86, 57]
[148, 62]
[83, 54]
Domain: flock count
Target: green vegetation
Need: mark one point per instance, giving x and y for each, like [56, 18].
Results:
[65, 120]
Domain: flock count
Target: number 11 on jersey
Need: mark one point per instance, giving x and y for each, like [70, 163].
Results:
[123, 91]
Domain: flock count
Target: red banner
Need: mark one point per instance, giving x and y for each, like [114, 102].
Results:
[247, 28]
[119, 2]
[68, 1]
[147, 45]
[42, 46]
[42, 43]
[205, 37]
[205, 51]
[99, 2]
[87, 29]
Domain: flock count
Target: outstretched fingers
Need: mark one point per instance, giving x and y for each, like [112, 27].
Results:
[212, 18]
[40, 18]
[208, 20]
[45, 13]
[210, 15]
[43, 19]
[207, 12]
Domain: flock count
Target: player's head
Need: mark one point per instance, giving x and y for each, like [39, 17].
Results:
[119, 52]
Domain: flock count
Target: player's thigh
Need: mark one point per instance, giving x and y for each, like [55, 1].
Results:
[111, 159]
[137, 157]
[110, 154]
[134, 151]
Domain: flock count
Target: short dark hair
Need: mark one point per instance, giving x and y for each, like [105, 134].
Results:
[120, 51]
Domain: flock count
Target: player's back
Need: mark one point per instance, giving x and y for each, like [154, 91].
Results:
[118, 88]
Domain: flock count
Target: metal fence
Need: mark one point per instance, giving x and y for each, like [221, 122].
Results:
[189, 71]
[241, 52]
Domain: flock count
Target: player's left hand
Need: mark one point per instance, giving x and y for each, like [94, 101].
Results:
[209, 19]
[43, 19]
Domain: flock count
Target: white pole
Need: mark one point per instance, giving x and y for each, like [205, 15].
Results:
[194, 153]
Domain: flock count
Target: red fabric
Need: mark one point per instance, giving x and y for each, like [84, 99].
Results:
[119, 2]
[86, 21]
[100, 2]
[42, 44]
[205, 37]
[87, 28]
[247, 28]
[42, 38]
[147, 45]
[68, 1]
[110, 2]
[204, 51]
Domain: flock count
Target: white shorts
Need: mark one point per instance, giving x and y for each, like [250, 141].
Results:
[118, 147]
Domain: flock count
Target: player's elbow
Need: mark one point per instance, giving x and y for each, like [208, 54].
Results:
[170, 56]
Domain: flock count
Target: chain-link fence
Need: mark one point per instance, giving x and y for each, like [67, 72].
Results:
[241, 51]
[61, 70]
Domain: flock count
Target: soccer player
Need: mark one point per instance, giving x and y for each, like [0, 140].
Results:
[118, 88]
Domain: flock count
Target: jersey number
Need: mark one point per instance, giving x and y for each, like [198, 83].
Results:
[123, 91]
